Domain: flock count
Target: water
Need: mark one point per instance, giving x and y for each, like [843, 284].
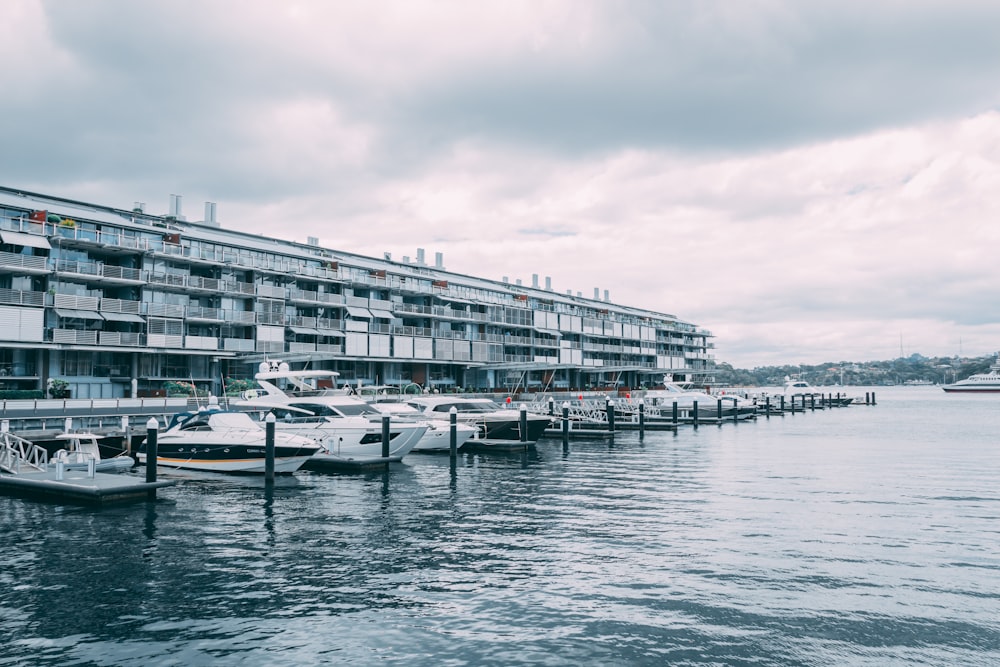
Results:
[858, 536]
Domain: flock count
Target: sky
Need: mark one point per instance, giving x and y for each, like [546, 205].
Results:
[810, 182]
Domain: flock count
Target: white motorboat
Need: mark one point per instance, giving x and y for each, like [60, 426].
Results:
[494, 424]
[801, 390]
[79, 449]
[708, 405]
[226, 441]
[307, 403]
[437, 438]
[981, 383]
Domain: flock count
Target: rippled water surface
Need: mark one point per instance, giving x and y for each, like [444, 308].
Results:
[858, 536]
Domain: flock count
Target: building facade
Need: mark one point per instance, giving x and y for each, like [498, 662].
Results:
[115, 303]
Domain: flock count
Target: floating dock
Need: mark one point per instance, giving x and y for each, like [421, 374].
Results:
[337, 464]
[76, 486]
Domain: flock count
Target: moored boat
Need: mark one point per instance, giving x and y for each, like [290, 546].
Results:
[307, 403]
[79, 449]
[225, 441]
[495, 425]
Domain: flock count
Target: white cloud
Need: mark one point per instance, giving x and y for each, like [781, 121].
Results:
[803, 179]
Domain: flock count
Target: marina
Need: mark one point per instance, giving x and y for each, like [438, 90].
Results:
[836, 536]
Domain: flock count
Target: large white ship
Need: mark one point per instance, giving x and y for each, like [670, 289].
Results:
[978, 382]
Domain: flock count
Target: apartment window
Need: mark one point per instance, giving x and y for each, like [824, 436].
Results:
[76, 364]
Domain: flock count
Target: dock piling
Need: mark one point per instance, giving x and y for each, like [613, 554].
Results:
[642, 420]
[269, 426]
[565, 424]
[609, 406]
[524, 423]
[694, 413]
[453, 430]
[152, 427]
[385, 436]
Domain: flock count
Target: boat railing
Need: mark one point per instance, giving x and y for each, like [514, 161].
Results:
[17, 454]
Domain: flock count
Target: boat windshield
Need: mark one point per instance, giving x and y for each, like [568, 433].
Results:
[339, 410]
[468, 406]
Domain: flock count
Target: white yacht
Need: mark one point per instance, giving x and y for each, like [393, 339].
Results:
[663, 399]
[225, 441]
[988, 382]
[494, 424]
[389, 400]
[308, 403]
[802, 390]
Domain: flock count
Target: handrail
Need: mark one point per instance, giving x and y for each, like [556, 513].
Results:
[16, 452]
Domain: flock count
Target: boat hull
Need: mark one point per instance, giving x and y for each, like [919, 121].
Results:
[438, 438]
[506, 430]
[228, 458]
[349, 442]
[971, 390]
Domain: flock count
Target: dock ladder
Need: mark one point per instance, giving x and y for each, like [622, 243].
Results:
[18, 455]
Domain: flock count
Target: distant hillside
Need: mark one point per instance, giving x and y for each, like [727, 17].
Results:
[915, 368]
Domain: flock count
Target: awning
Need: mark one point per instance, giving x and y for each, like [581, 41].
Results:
[354, 311]
[79, 314]
[381, 314]
[550, 332]
[304, 330]
[121, 317]
[30, 240]
[331, 333]
[452, 299]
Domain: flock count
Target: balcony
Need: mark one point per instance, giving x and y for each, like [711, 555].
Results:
[23, 264]
[99, 272]
[201, 343]
[119, 339]
[324, 298]
[16, 297]
[74, 337]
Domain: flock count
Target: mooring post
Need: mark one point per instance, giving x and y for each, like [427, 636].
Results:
[675, 413]
[782, 402]
[767, 407]
[609, 407]
[718, 408]
[642, 420]
[812, 403]
[565, 424]
[694, 413]
[127, 437]
[152, 427]
[552, 406]
[736, 413]
[524, 423]
[453, 427]
[873, 398]
[385, 436]
[269, 427]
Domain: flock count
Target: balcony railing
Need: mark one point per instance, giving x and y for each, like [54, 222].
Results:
[120, 306]
[16, 297]
[115, 338]
[74, 337]
[19, 261]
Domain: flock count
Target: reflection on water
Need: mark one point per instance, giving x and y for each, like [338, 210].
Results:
[857, 536]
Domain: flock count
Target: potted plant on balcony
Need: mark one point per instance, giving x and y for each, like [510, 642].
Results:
[58, 388]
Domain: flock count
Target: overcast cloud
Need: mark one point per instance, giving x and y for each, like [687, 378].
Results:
[810, 181]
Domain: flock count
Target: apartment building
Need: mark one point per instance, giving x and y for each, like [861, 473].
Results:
[117, 303]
